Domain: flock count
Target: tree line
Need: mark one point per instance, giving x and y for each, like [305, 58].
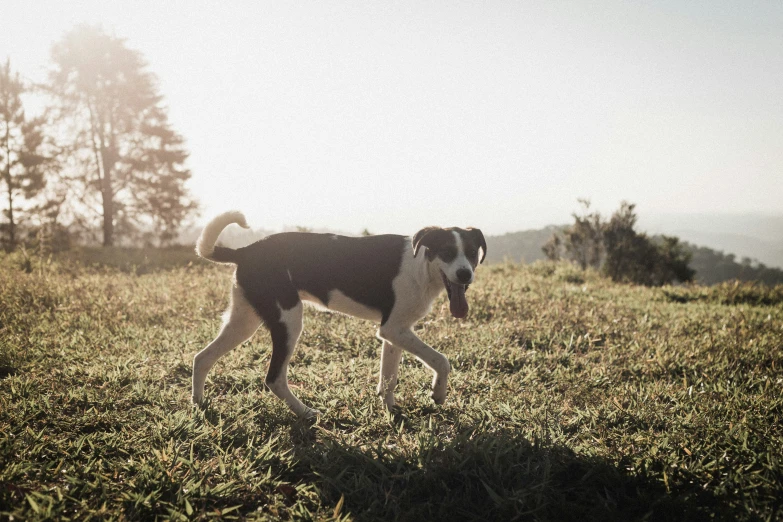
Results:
[714, 267]
[100, 159]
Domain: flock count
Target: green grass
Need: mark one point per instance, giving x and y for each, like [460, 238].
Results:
[570, 398]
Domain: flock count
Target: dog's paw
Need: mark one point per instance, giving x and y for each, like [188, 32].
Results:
[311, 414]
[438, 397]
[387, 398]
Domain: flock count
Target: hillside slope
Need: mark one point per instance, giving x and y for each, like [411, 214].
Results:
[570, 398]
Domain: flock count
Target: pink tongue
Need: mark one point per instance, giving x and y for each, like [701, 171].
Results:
[457, 303]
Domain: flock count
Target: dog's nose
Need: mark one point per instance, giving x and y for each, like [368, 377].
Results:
[464, 275]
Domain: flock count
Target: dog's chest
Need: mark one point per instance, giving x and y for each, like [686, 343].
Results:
[414, 292]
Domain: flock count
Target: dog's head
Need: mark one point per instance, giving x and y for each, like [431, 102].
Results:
[455, 252]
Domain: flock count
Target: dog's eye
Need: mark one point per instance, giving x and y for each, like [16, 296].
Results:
[449, 252]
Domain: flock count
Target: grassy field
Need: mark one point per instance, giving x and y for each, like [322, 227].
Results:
[571, 398]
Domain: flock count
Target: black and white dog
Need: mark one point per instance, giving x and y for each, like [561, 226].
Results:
[392, 280]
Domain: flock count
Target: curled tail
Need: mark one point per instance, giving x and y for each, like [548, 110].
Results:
[205, 246]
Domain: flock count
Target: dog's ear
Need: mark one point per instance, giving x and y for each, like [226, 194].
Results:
[479, 237]
[423, 237]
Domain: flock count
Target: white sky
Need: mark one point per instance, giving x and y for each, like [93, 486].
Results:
[396, 115]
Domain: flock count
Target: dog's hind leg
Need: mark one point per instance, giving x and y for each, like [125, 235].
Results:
[390, 365]
[285, 333]
[240, 322]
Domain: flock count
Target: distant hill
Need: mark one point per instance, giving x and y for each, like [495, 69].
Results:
[753, 236]
[745, 246]
[712, 266]
[524, 247]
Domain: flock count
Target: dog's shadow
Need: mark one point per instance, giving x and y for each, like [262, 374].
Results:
[481, 475]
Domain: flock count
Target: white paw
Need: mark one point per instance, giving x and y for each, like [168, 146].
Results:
[311, 414]
[389, 402]
[439, 398]
[439, 390]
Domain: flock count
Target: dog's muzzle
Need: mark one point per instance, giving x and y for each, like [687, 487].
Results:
[458, 304]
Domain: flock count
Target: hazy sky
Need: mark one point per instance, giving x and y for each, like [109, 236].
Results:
[392, 115]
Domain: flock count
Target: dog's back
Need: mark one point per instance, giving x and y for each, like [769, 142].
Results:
[324, 266]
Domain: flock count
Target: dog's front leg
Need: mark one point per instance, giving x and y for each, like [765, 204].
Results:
[407, 340]
[390, 364]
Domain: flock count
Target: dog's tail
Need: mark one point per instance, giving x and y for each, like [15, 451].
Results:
[205, 246]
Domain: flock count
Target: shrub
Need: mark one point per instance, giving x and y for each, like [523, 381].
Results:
[620, 252]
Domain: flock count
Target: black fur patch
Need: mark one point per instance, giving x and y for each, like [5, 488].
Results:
[439, 242]
[362, 268]
[272, 271]
[472, 241]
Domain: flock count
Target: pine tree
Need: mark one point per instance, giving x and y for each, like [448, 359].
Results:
[21, 161]
[129, 159]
